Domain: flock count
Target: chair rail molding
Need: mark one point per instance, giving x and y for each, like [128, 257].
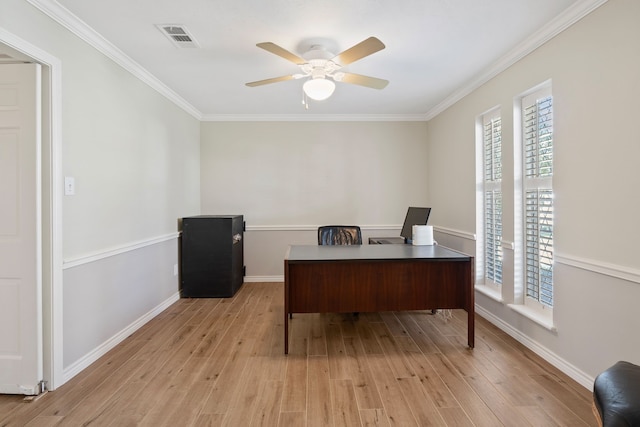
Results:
[608, 269]
[96, 256]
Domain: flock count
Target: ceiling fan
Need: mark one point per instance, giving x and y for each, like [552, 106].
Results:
[322, 68]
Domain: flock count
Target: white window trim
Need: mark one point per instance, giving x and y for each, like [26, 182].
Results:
[484, 285]
[540, 317]
[528, 307]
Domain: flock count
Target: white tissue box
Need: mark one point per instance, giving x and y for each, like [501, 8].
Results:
[422, 235]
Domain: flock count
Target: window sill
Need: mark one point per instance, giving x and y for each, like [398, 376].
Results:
[544, 321]
[490, 292]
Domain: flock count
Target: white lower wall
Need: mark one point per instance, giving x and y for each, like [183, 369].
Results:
[109, 295]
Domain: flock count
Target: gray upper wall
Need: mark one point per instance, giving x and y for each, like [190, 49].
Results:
[314, 173]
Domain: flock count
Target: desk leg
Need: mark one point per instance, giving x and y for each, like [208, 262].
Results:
[470, 328]
[286, 333]
[287, 314]
[471, 311]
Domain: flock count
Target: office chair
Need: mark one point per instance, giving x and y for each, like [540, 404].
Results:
[339, 235]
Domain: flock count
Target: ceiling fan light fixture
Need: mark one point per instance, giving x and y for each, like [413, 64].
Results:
[318, 89]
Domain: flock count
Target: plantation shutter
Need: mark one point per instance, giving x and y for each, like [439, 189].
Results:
[492, 137]
[538, 191]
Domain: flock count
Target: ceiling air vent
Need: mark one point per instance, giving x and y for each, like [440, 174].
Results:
[178, 35]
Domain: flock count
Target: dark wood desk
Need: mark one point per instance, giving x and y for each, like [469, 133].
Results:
[373, 278]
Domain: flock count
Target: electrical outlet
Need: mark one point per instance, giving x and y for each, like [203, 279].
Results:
[69, 186]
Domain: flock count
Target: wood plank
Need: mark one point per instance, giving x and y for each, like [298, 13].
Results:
[319, 411]
[422, 407]
[396, 328]
[318, 339]
[495, 401]
[374, 418]
[424, 343]
[476, 409]
[456, 417]
[368, 338]
[435, 388]
[363, 379]
[338, 363]
[395, 405]
[344, 403]
[399, 365]
[267, 409]
[245, 399]
[295, 385]
[288, 419]
[179, 408]
[94, 401]
[227, 382]
[44, 421]
[573, 402]
[537, 417]
[209, 420]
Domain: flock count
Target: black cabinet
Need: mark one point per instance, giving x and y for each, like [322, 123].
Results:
[212, 255]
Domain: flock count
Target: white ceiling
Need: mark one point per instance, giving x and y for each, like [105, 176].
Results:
[435, 49]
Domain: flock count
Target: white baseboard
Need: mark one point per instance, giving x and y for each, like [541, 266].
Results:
[81, 364]
[567, 368]
[248, 279]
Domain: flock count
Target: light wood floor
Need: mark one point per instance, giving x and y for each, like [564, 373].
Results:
[220, 362]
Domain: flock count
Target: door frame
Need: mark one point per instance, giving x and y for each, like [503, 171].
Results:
[51, 260]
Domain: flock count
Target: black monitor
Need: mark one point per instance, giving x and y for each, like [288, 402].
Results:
[415, 216]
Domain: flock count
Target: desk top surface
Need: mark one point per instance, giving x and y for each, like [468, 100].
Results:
[302, 253]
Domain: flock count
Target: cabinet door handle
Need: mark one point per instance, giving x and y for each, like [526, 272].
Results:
[237, 238]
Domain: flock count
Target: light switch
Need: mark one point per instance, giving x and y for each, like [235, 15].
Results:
[69, 186]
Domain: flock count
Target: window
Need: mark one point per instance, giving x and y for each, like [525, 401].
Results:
[537, 194]
[492, 198]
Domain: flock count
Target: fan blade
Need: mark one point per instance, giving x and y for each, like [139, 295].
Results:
[269, 81]
[282, 52]
[358, 79]
[359, 51]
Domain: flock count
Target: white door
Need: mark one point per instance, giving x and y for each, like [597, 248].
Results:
[20, 231]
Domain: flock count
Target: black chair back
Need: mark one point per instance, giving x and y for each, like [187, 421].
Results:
[339, 235]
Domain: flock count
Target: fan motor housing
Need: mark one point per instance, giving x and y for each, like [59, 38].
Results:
[317, 52]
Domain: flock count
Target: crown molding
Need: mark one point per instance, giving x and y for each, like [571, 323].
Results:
[570, 16]
[78, 27]
[313, 118]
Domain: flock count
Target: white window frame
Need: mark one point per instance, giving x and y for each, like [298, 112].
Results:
[524, 185]
[489, 259]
